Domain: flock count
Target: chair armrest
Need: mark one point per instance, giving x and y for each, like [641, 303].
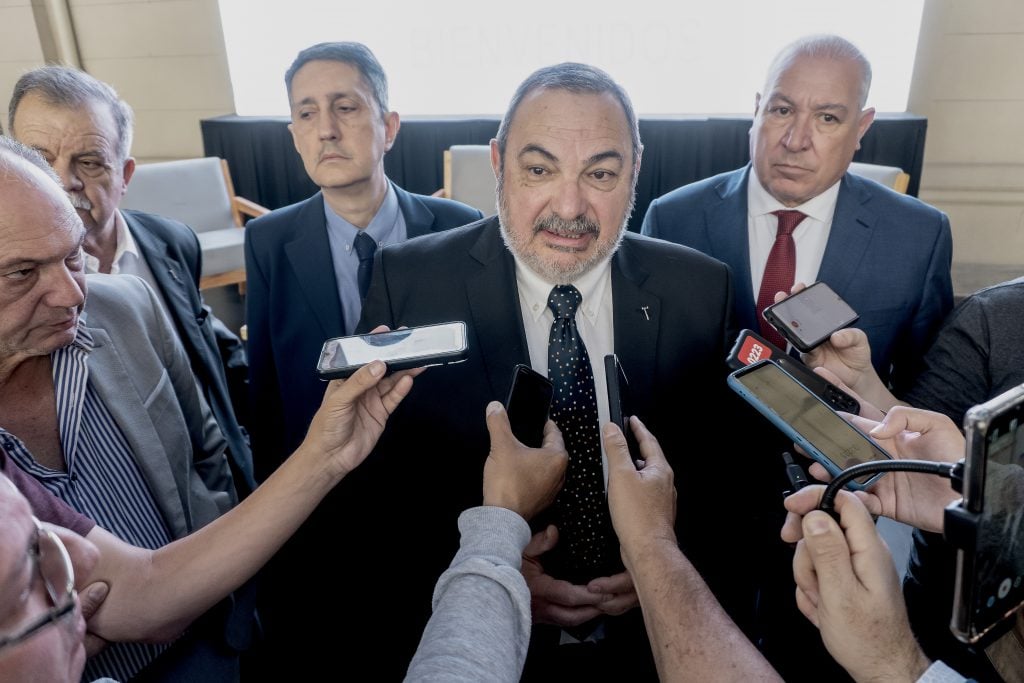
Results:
[249, 208]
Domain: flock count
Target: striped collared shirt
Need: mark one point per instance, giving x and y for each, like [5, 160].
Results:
[102, 481]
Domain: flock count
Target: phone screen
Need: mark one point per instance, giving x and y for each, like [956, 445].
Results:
[811, 315]
[528, 404]
[998, 560]
[414, 342]
[792, 404]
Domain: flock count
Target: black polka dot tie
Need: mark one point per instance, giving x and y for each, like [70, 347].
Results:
[581, 507]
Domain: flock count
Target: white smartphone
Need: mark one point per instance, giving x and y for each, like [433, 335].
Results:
[410, 347]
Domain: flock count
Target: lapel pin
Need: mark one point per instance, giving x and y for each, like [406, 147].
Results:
[646, 312]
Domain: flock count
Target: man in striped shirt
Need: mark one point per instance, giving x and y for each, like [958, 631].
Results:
[101, 406]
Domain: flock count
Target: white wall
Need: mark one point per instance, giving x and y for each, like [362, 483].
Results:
[968, 81]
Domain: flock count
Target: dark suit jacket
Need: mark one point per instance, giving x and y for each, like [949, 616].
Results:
[292, 307]
[398, 510]
[888, 255]
[172, 252]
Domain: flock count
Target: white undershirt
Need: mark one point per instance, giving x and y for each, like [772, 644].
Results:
[810, 236]
[593, 320]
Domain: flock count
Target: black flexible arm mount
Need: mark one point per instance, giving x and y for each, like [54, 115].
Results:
[953, 471]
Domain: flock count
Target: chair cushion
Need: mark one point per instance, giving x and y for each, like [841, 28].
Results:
[222, 250]
[886, 175]
[192, 191]
[473, 178]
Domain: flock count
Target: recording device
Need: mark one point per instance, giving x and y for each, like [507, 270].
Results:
[411, 347]
[806, 419]
[751, 347]
[988, 524]
[619, 402]
[809, 317]
[528, 404]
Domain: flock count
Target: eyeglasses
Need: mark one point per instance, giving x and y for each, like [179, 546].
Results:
[53, 566]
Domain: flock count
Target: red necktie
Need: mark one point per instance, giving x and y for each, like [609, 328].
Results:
[779, 271]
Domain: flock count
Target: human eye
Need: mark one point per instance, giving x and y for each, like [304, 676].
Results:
[603, 174]
[18, 274]
[826, 117]
[781, 110]
[75, 259]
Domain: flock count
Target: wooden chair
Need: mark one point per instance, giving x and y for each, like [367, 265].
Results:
[200, 194]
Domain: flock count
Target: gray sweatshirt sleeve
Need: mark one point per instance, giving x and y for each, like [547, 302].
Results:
[480, 628]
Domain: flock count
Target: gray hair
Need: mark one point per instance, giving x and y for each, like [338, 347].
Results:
[354, 54]
[15, 148]
[68, 88]
[823, 47]
[575, 78]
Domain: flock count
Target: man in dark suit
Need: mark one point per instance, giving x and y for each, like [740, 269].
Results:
[303, 262]
[306, 278]
[84, 130]
[888, 255]
[566, 158]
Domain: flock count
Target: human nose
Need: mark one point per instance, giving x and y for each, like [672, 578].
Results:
[68, 177]
[65, 290]
[798, 134]
[570, 201]
[327, 128]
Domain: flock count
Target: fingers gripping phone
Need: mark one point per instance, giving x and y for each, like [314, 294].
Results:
[806, 419]
[809, 317]
[989, 585]
[411, 347]
[528, 404]
[619, 402]
[751, 347]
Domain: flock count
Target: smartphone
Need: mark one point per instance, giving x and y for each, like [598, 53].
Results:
[751, 347]
[619, 402]
[809, 317]
[989, 585]
[528, 404]
[410, 347]
[806, 419]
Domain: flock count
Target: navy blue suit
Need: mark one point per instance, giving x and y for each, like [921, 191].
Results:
[292, 307]
[888, 255]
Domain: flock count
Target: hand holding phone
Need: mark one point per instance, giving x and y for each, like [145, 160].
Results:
[528, 404]
[809, 317]
[806, 419]
[400, 349]
[751, 347]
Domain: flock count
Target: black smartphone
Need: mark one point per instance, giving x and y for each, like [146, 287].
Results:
[410, 347]
[809, 317]
[751, 347]
[619, 401]
[528, 404]
[989, 585]
[803, 417]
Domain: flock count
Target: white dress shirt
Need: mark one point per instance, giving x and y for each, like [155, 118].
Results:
[128, 259]
[810, 236]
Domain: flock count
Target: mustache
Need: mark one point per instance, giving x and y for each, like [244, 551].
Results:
[581, 225]
[79, 201]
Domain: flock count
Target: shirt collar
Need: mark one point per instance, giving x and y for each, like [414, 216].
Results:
[761, 203]
[382, 227]
[592, 285]
[124, 243]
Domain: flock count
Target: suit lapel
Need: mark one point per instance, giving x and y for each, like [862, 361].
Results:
[726, 225]
[494, 305]
[174, 283]
[309, 254]
[637, 320]
[853, 224]
[137, 427]
[419, 220]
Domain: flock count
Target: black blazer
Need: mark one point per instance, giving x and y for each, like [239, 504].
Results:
[172, 252]
[292, 307]
[399, 509]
